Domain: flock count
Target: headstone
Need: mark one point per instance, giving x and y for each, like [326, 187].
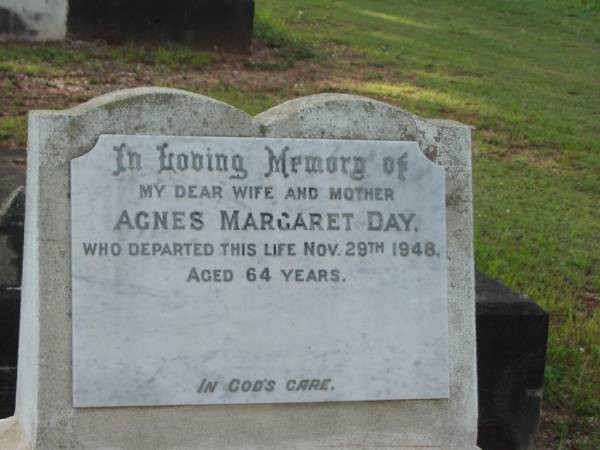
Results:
[197, 23]
[12, 201]
[33, 19]
[330, 302]
[511, 338]
[512, 335]
[9, 337]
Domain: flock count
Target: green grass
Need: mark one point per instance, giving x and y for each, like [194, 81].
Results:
[14, 127]
[172, 56]
[254, 104]
[272, 32]
[34, 61]
[251, 103]
[39, 59]
[14, 66]
[526, 74]
[40, 54]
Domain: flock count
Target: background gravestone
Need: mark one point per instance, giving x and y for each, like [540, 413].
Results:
[199, 23]
[512, 335]
[44, 413]
[12, 198]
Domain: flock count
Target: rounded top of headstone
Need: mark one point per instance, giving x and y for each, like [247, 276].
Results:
[339, 115]
[335, 116]
[156, 95]
[146, 110]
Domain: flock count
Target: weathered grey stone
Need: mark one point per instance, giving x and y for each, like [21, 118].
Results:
[33, 19]
[45, 418]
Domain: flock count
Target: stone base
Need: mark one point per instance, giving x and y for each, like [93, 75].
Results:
[11, 437]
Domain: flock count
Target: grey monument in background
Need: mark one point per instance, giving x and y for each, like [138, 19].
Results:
[33, 19]
[149, 321]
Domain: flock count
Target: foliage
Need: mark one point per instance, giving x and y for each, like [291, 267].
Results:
[270, 31]
[14, 128]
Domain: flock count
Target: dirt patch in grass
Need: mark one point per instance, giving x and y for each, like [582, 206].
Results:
[70, 81]
[74, 72]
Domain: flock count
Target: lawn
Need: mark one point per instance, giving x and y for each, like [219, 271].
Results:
[524, 74]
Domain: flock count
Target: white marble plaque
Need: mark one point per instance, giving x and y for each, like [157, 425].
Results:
[247, 270]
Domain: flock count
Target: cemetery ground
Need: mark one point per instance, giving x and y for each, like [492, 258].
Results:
[524, 75]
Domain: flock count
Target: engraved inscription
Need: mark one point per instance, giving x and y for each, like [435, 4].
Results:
[251, 270]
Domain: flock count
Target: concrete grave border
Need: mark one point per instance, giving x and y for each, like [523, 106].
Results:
[45, 418]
